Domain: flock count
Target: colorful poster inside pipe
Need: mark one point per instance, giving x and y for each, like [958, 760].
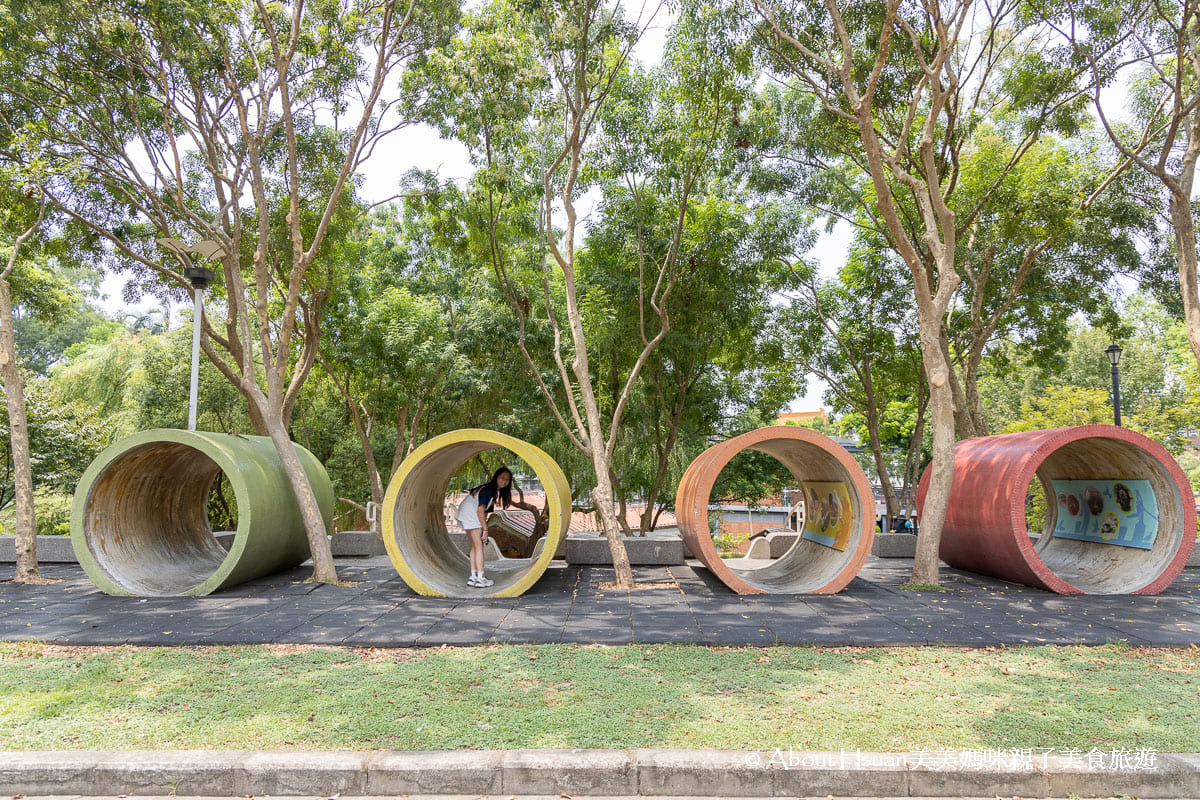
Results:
[828, 514]
[1121, 512]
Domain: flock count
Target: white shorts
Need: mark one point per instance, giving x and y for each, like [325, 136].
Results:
[468, 514]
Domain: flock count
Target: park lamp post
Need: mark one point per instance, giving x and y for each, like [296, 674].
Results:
[1114, 356]
[199, 278]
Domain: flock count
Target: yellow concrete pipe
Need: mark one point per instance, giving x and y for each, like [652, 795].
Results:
[414, 524]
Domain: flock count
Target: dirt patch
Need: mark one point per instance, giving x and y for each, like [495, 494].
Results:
[611, 586]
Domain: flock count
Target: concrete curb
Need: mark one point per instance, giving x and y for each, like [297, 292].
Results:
[50, 550]
[588, 548]
[894, 545]
[646, 773]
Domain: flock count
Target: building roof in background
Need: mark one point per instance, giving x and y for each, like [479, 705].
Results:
[800, 416]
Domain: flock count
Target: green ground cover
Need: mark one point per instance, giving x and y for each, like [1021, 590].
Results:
[888, 699]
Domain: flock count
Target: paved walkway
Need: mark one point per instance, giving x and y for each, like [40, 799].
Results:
[567, 605]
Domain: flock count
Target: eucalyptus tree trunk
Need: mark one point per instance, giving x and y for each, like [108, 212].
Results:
[597, 448]
[919, 174]
[941, 474]
[18, 427]
[885, 479]
[1184, 224]
[324, 570]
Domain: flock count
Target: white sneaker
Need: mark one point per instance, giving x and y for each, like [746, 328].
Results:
[474, 581]
[485, 581]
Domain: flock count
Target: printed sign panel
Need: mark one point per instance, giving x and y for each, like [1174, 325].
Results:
[827, 514]
[1121, 512]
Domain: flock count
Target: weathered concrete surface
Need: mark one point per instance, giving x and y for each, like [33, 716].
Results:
[673, 530]
[841, 774]
[50, 550]
[774, 544]
[894, 545]
[638, 772]
[193, 772]
[926, 777]
[414, 525]
[653, 549]
[718, 773]
[491, 552]
[329, 773]
[356, 544]
[1171, 776]
[781, 542]
[985, 529]
[569, 772]
[759, 548]
[433, 772]
[808, 566]
[139, 521]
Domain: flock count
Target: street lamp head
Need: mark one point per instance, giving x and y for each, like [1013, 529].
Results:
[199, 277]
[208, 249]
[1114, 354]
[205, 249]
[174, 245]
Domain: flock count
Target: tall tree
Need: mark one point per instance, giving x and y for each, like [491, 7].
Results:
[907, 84]
[64, 436]
[241, 124]
[1159, 383]
[685, 120]
[857, 333]
[718, 357]
[540, 151]
[1159, 43]
[393, 342]
[1055, 231]
[21, 223]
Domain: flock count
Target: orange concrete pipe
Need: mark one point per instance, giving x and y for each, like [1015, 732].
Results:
[808, 567]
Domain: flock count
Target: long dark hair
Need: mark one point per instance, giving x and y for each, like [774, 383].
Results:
[503, 495]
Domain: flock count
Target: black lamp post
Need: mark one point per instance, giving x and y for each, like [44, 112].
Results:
[1114, 355]
[199, 278]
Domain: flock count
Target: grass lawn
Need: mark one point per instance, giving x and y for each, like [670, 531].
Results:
[591, 696]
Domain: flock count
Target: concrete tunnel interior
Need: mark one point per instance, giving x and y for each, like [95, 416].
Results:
[1098, 567]
[140, 521]
[418, 541]
[807, 566]
[147, 523]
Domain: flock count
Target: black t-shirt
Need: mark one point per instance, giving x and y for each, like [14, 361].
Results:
[487, 499]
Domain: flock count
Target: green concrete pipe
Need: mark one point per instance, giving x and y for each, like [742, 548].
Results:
[139, 522]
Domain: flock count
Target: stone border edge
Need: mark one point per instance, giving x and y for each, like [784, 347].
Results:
[645, 772]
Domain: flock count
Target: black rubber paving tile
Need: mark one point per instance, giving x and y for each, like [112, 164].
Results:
[569, 604]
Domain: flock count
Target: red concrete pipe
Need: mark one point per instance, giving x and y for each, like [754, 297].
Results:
[809, 566]
[986, 531]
